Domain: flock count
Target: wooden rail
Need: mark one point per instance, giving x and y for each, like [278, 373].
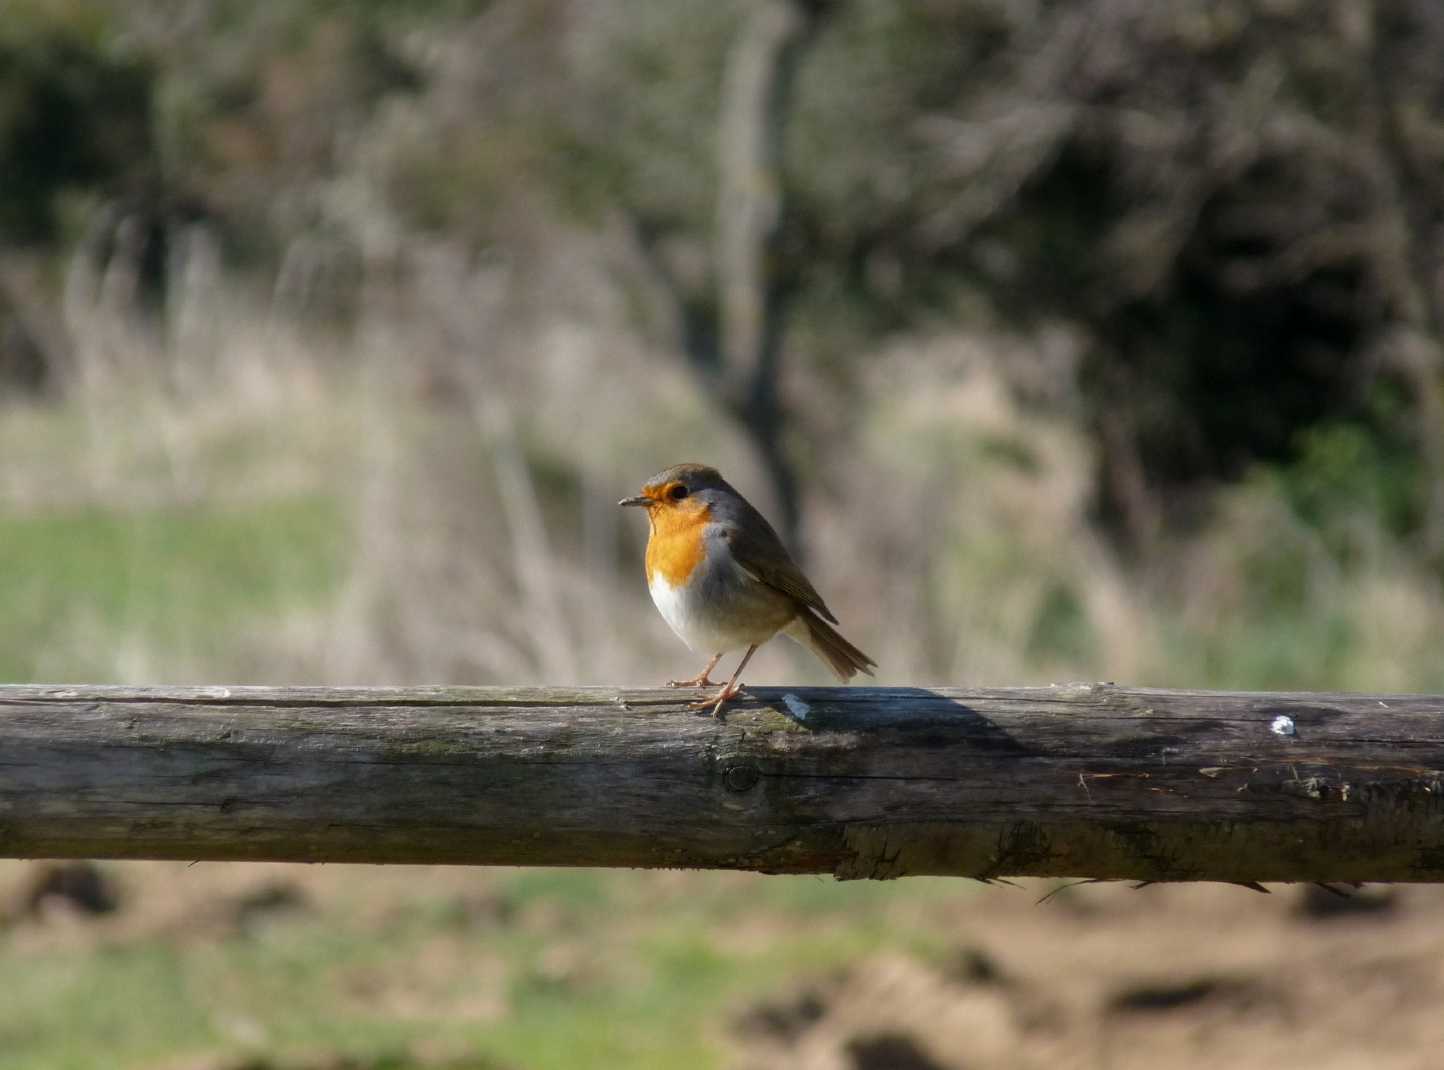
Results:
[1086, 780]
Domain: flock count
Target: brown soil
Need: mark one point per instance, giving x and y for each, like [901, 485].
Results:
[1109, 976]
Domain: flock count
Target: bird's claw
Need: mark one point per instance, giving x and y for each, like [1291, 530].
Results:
[716, 702]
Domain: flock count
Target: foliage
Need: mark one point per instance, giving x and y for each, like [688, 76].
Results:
[74, 116]
[1230, 204]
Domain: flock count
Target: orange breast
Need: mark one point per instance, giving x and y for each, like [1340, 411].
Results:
[675, 547]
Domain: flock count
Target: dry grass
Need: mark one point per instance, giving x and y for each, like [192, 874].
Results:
[469, 449]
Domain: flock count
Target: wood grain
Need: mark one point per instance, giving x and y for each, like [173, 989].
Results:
[1080, 780]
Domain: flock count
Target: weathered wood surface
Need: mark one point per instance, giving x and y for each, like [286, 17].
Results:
[1087, 780]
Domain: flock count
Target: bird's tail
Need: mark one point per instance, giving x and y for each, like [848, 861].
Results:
[828, 644]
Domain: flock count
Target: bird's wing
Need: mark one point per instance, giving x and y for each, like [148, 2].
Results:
[760, 553]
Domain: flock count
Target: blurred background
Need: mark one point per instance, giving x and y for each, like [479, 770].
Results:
[1092, 340]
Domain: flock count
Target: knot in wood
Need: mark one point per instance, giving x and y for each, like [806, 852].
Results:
[740, 777]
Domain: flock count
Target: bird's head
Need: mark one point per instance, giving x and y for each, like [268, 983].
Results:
[682, 491]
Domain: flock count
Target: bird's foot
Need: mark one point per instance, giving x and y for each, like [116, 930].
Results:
[700, 680]
[717, 701]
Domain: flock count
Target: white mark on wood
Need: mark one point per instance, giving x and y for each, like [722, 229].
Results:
[1283, 726]
[216, 692]
[63, 694]
[796, 706]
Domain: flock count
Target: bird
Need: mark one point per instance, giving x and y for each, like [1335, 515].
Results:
[721, 577]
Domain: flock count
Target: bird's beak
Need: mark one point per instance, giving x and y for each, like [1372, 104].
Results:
[640, 499]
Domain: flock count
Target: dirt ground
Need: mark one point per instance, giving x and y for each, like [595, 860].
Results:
[1100, 976]
[1112, 977]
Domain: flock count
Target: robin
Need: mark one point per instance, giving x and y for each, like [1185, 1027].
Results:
[722, 579]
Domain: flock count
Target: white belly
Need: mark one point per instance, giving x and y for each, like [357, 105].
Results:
[705, 632]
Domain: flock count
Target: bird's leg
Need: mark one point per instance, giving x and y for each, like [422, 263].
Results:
[731, 690]
[700, 680]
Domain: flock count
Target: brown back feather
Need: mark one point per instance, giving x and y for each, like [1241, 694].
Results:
[760, 552]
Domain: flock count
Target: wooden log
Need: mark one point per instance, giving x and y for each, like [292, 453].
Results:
[1083, 780]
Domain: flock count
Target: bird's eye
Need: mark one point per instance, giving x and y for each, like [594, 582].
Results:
[677, 493]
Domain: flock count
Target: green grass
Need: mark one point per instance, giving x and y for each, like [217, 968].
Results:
[185, 580]
[64, 1011]
[661, 972]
